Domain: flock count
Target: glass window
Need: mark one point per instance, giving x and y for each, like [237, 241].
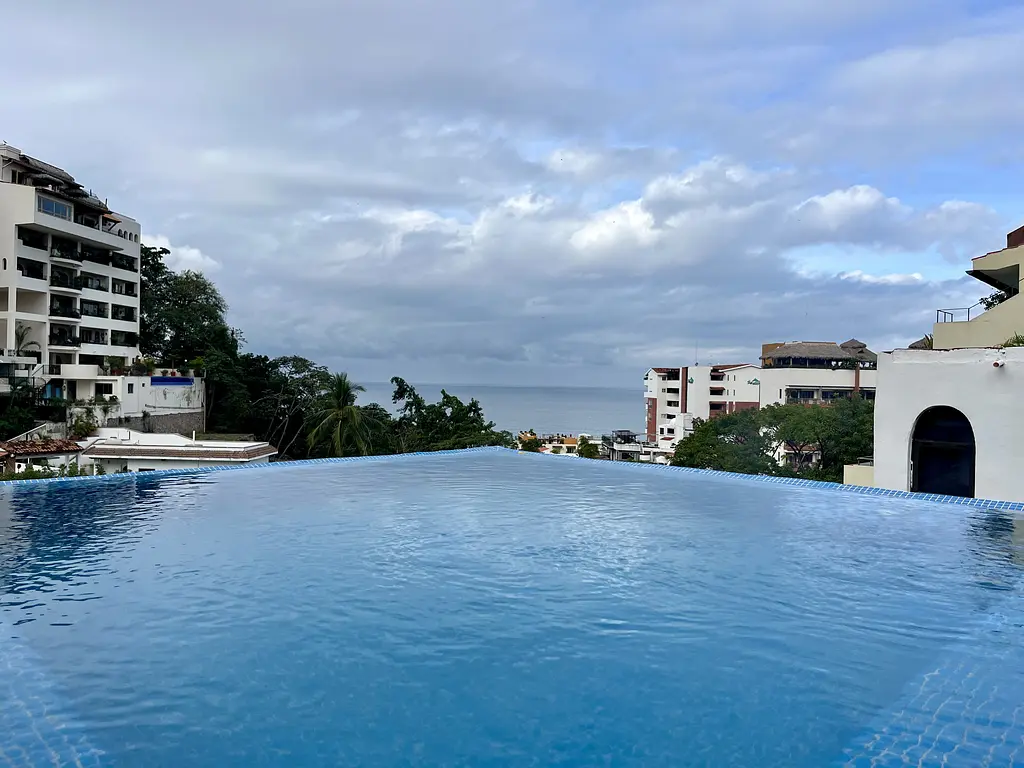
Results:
[55, 208]
[104, 388]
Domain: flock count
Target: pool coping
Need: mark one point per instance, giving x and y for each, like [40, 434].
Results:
[793, 482]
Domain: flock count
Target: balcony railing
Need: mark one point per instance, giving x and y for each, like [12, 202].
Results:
[65, 253]
[57, 310]
[52, 370]
[72, 283]
[88, 311]
[127, 316]
[64, 340]
[959, 314]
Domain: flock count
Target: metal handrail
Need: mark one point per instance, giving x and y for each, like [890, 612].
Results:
[949, 315]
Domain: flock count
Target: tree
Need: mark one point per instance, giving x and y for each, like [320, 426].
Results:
[22, 343]
[181, 315]
[448, 424]
[799, 428]
[994, 299]
[587, 449]
[531, 444]
[734, 442]
[339, 420]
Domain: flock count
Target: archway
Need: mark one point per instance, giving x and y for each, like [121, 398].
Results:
[943, 451]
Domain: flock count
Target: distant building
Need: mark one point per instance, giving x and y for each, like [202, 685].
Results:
[557, 444]
[676, 396]
[816, 372]
[117, 450]
[40, 454]
[69, 301]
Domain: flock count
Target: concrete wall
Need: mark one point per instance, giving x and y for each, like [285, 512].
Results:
[859, 474]
[989, 329]
[183, 423]
[911, 381]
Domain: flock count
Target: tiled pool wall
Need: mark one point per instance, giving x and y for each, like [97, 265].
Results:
[967, 711]
[794, 482]
[36, 728]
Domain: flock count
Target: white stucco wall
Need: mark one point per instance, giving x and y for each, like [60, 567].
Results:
[111, 466]
[992, 399]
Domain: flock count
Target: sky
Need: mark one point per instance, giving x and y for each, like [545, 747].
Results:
[538, 193]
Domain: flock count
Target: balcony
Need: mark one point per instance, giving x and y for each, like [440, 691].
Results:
[126, 314]
[34, 270]
[64, 340]
[52, 370]
[93, 310]
[61, 281]
[60, 310]
[66, 254]
[123, 262]
[959, 314]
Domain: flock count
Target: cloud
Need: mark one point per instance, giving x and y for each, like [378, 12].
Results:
[183, 257]
[535, 192]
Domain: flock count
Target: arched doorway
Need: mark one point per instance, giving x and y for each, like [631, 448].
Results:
[942, 451]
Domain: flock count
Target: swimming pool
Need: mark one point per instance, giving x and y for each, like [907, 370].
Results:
[494, 608]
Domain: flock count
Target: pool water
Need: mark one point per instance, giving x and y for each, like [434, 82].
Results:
[498, 609]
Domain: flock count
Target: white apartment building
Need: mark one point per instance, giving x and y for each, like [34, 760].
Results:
[69, 292]
[676, 396]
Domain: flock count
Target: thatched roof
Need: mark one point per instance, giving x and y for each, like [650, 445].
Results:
[859, 350]
[923, 343]
[810, 350]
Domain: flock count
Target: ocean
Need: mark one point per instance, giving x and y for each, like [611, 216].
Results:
[569, 410]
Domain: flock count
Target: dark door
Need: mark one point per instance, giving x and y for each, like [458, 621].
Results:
[943, 453]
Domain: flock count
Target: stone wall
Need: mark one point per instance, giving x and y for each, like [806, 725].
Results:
[178, 423]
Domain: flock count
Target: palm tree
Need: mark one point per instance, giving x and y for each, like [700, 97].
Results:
[21, 340]
[340, 419]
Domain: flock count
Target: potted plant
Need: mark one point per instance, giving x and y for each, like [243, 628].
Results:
[174, 373]
[163, 372]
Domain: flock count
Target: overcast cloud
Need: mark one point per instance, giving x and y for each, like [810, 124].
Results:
[542, 192]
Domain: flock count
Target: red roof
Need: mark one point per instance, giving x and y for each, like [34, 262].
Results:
[39, 447]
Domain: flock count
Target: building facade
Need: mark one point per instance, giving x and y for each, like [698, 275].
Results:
[121, 450]
[675, 396]
[815, 372]
[947, 419]
[70, 293]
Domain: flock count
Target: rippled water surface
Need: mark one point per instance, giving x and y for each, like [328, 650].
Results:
[483, 609]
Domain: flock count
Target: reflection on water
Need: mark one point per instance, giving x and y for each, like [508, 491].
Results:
[491, 609]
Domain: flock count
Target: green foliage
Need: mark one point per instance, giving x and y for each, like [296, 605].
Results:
[733, 442]
[21, 340]
[1017, 340]
[338, 421]
[587, 449]
[14, 419]
[83, 424]
[819, 440]
[531, 444]
[994, 299]
[448, 424]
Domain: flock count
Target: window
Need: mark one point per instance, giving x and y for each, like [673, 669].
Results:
[94, 282]
[119, 312]
[55, 208]
[131, 388]
[104, 388]
[93, 336]
[672, 403]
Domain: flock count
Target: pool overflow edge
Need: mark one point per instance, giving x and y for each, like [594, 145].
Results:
[795, 482]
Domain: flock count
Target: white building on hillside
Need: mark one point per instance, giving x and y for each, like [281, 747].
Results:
[69, 291]
[120, 450]
[948, 420]
[676, 396]
[816, 372]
